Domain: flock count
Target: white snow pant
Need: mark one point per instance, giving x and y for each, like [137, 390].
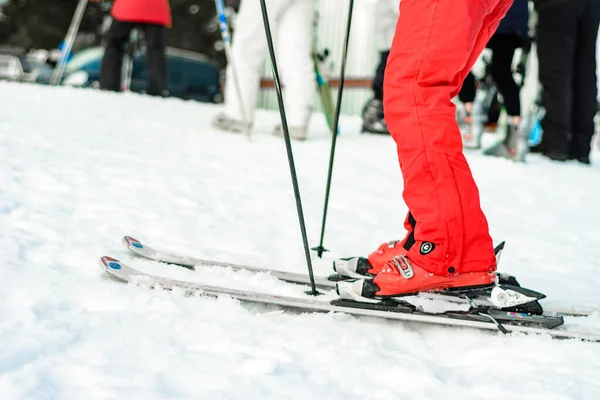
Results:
[387, 13]
[291, 27]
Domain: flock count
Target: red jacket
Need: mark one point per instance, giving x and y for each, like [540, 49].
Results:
[147, 11]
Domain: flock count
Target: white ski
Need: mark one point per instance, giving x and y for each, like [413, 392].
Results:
[321, 282]
[130, 274]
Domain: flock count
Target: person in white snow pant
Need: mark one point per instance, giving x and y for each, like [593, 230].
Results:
[291, 24]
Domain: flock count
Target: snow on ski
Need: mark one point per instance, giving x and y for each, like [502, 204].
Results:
[129, 274]
[147, 252]
[321, 282]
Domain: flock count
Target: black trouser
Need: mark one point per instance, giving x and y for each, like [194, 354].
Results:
[117, 37]
[566, 44]
[379, 73]
[503, 48]
[468, 89]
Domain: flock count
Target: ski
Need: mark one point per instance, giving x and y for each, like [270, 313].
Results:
[489, 320]
[322, 282]
[189, 262]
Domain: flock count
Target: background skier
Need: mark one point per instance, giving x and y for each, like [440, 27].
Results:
[566, 36]
[152, 16]
[512, 33]
[386, 16]
[291, 23]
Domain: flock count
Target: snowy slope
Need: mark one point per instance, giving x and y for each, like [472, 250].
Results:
[81, 168]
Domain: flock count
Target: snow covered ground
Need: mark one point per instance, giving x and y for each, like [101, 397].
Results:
[81, 168]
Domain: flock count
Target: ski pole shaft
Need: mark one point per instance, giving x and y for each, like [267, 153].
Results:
[288, 146]
[68, 42]
[127, 74]
[230, 59]
[320, 249]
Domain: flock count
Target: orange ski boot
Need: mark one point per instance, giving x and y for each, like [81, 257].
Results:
[400, 277]
[361, 267]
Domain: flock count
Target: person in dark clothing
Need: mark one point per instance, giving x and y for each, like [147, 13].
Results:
[152, 16]
[566, 36]
[386, 16]
[377, 84]
[467, 93]
[503, 48]
[373, 118]
[512, 33]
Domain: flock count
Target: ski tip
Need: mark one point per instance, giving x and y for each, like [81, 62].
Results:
[128, 241]
[109, 262]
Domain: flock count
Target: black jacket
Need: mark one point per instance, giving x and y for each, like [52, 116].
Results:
[517, 19]
[546, 3]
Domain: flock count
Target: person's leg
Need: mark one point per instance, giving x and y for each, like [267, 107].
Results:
[249, 48]
[556, 34]
[585, 90]
[112, 61]
[372, 113]
[494, 11]
[157, 62]
[503, 49]
[295, 64]
[469, 117]
[467, 91]
[434, 48]
[379, 74]
[514, 145]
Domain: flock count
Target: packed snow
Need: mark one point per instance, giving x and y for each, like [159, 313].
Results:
[81, 168]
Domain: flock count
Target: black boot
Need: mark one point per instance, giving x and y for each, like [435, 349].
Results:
[373, 120]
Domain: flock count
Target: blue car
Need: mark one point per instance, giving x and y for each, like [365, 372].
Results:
[192, 76]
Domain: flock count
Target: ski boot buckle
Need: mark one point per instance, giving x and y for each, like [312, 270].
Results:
[403, 266]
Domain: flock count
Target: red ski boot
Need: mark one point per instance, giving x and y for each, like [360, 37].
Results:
[400, 277]
[360, 267]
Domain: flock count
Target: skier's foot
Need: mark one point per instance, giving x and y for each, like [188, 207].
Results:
[549, 153]
[556, 155]
[510, 147]
[490, 127]
[373, 119]
[226, 123]
[296, 132]
[515, 142]
[470, 133]
[538, 148]
[358, 267]
[582, 159]
[368, 267]
[353, 267]
[401, 277]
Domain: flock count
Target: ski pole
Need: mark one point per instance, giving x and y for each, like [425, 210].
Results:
[127, 74]
[288, 146]
[68, 42]
[229, 55]
[320, 249]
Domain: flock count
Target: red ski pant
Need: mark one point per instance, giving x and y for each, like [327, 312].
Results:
[435, 45]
